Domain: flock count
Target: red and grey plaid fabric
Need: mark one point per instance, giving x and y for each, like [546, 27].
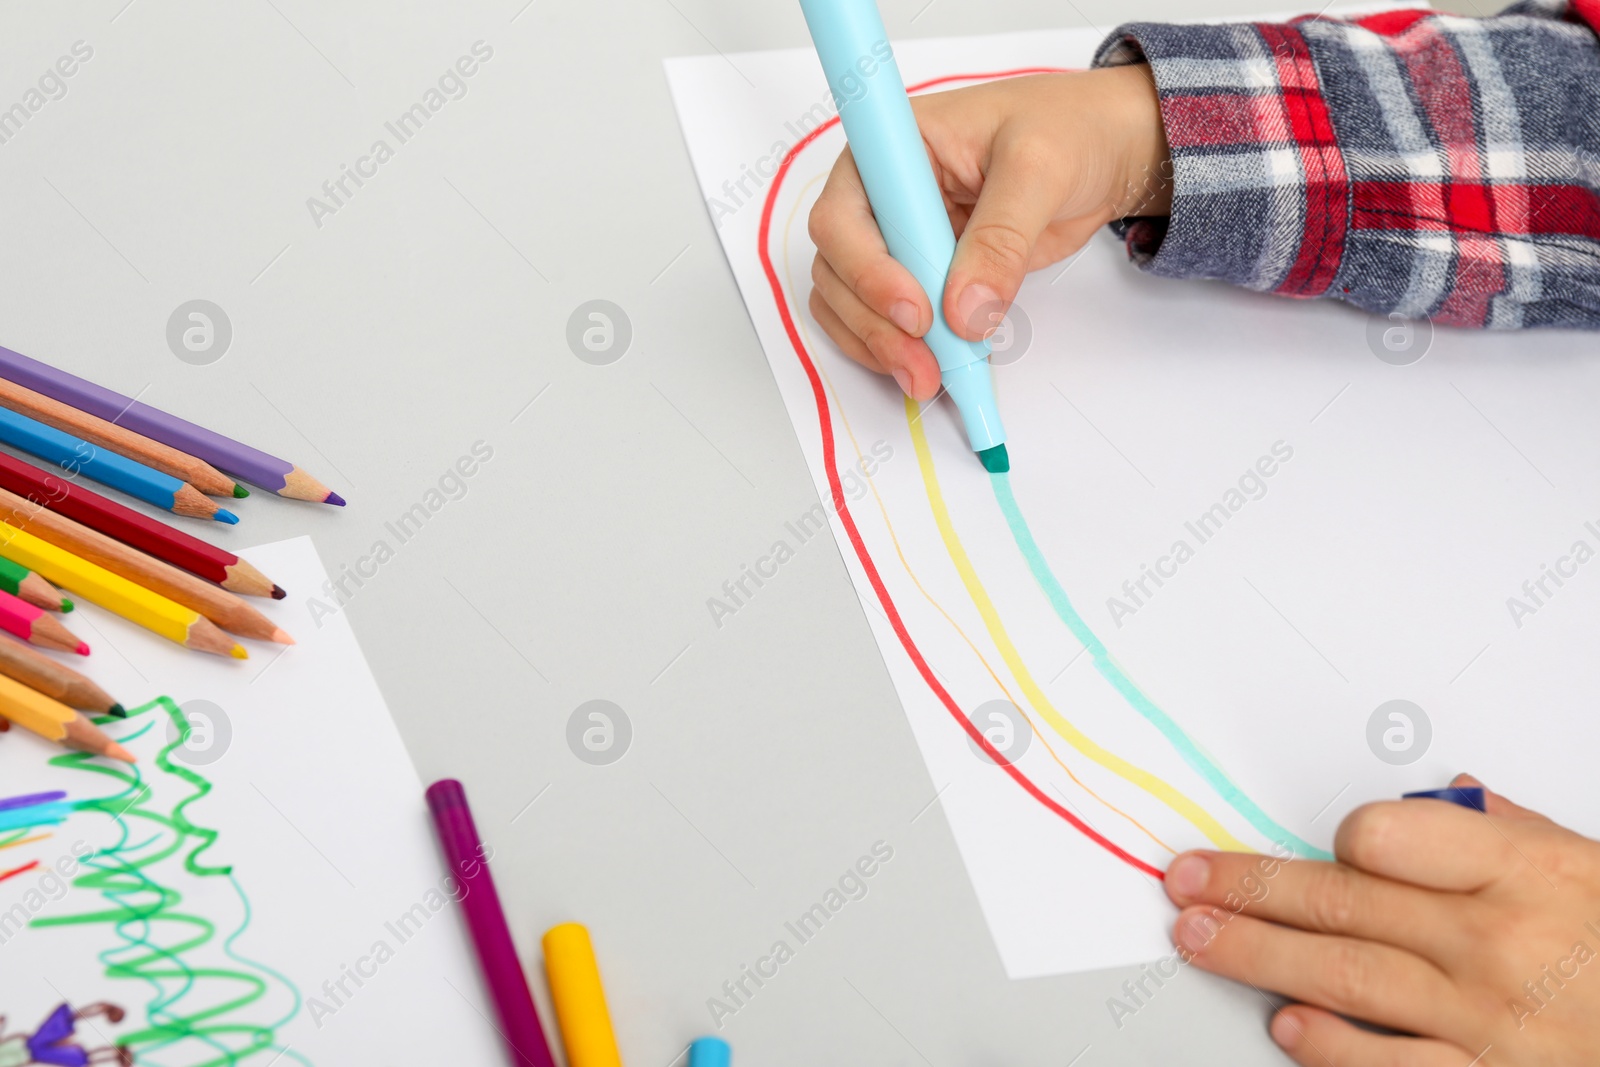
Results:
[1409, 162]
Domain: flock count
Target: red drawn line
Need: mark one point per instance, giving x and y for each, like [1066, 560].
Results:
[841, 506]
[25, 868]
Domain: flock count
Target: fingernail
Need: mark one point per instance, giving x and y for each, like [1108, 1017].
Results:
[903, 380]
[1195, 931]
[1187, 877]
[904, 315]
[1285, 1031]
[979, 308]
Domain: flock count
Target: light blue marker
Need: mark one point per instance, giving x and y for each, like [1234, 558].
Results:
[77, 456]
[889, 153]
[710, 1052]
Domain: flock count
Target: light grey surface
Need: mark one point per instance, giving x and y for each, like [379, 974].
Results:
[767, 755]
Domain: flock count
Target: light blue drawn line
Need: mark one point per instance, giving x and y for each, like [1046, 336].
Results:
[38, 815]
[1111, 672]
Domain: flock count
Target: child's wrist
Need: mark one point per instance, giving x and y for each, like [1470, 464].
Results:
[1140, 135]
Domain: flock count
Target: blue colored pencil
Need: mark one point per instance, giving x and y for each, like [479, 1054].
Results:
[77, 456]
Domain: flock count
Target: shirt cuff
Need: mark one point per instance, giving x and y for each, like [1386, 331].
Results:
[1258, 196]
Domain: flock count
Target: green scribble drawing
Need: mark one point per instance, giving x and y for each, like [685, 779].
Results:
[200, 1014]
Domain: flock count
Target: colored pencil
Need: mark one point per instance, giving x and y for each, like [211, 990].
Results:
[34, 626]
[486, 921]
[55, 680]
[117, 594]
[164, 458]
[77, 456]
[54, 721]
[218, 605]
[166, 543]
[21, 582]
[240, 460]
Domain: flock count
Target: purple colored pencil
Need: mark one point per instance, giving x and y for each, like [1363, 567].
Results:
[508, 984]
[240, 460]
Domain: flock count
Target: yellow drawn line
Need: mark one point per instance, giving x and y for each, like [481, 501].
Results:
[805, 330]
[24, 841]
[1151, 784]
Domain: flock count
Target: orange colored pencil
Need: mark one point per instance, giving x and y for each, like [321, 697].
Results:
[228, 611]
[54, 721]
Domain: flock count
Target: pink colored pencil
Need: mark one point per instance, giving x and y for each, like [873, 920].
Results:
[36, 626]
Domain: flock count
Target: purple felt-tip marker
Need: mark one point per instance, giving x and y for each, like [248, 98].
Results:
[502, 971]
[240, 460]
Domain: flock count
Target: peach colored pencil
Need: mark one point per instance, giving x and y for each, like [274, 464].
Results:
[164, 458]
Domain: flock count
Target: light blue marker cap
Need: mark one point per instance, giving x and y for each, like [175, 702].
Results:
[710, 1052]
[905, 198]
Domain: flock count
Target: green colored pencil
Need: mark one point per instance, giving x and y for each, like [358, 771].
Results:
[20, 582]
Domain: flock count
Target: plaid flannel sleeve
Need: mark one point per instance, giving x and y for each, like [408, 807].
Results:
[1408, 162]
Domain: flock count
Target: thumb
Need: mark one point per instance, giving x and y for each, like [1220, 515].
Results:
[996, 247]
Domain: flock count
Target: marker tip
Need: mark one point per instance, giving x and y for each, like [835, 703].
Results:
[995, 460]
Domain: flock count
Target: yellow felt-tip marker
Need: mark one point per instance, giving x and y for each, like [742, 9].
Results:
[117, 594]
[580, 1000]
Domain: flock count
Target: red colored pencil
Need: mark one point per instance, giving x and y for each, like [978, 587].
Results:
[148, 535]
[36, 626]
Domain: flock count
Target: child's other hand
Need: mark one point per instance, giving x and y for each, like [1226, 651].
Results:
[1479, 934]
[1030, 168]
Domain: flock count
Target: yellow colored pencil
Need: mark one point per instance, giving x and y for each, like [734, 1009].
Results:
[117, 594]
[54, 721]
[220, 606]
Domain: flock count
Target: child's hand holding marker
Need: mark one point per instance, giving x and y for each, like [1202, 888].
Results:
[1477, 932]
[1275, 158]
[1285, 163]
[1030, 168]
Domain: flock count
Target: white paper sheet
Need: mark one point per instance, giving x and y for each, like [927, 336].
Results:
[336, 926]
[1406, 506]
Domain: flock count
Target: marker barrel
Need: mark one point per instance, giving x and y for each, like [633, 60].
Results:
[888, 149]
[580, 999]
[491, 936]
[710, 1052]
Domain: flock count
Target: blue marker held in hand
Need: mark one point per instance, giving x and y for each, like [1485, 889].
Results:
[905, 198]
[1464, 796]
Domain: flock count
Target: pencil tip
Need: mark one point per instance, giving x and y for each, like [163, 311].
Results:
[278, 593]
[117, 711]
[239, 652]
[224, 515]
[333, 498]
[82, 649]
[239, 491]
[281, 636]
[66, 605]
[116, 751]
